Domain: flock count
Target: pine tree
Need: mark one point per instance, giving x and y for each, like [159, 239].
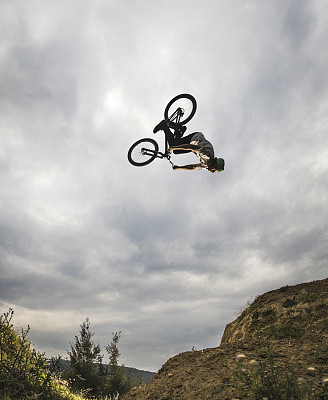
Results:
[86, 369]
[117, 383]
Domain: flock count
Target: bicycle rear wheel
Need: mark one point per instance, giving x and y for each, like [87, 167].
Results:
[143, 152]
[184, 102]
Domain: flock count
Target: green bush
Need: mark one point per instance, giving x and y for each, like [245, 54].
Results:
[263, 379]
[255, 316]
[324, 325]
[87, 372]
[289, 303]
[308, 298]
[321, 309]
[269, 313]
[286, 330]
[25, 373]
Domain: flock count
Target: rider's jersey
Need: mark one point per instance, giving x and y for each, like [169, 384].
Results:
[206, 151]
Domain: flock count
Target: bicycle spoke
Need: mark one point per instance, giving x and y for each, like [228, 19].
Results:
[143, 152]
[181, 109]
[140, 154]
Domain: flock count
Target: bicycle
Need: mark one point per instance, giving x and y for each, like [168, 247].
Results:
[178, 112]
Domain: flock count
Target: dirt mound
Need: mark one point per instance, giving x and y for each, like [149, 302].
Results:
[292, 312]
[292, 320]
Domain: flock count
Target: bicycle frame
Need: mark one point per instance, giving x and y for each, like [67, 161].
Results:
[159, 154]
[176, 116]
[174, 122]
[177, 113]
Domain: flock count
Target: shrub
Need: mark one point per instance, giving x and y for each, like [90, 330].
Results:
[286, 330]
[263, 379]
[86, 371]
[324, 325]
[25, 373]
[255, 315]
[308, 298]
[289, 303]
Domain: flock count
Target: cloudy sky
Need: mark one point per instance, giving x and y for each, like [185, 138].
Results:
[165, 257]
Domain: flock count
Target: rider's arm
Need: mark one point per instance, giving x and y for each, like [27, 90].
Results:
[188, 167]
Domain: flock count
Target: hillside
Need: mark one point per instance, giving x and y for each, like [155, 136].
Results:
[134, 373]
[292, 320]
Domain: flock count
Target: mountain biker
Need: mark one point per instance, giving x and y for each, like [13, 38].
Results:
[195, 142]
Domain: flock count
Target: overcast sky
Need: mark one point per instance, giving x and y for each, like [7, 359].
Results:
[165, 257]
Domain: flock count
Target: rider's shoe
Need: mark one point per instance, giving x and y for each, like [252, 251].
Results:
[160, 127]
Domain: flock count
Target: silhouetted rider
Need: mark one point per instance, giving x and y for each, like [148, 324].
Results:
[196, 143]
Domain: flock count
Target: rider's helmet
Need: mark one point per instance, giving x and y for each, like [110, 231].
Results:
[219, 164]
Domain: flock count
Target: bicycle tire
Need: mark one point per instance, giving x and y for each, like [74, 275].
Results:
[185, 101]
[136, 156]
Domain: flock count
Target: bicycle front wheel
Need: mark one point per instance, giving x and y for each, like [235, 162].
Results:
[184, 102]
[143, 152]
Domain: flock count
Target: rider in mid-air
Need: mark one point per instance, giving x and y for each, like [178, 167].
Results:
[195, 142]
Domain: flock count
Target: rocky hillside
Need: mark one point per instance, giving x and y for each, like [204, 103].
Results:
[292, 321]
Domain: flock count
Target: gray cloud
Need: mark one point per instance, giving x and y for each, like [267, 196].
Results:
[166, 257]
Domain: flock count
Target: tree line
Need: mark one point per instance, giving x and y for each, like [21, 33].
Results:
[88, 373]
[27, 374]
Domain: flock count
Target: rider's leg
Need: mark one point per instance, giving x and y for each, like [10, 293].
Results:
[182, 144]
[183, 140]
[163, 126]
[169, 135]
[170, 138]
[180, 151]
[187, 147]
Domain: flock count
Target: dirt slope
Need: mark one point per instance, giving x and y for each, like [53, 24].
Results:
[292, 320]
